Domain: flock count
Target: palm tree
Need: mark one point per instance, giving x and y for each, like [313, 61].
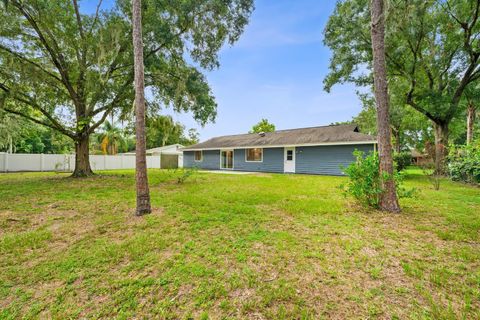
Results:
[143, 193]
[388, 198]
[111, 139]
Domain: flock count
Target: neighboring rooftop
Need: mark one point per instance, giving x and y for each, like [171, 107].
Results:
[341, 134]
[170, 149]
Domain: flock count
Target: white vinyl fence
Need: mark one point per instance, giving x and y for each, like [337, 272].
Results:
[10, 162]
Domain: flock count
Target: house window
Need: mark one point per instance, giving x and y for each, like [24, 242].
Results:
[254, 154]
[198, 156]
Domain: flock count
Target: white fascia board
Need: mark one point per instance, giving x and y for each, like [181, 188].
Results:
[288, 145]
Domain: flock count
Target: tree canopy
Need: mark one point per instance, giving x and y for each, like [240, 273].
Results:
[68, 70]
[18, 135]
[263, 126]
[163, 130]
[432, 53]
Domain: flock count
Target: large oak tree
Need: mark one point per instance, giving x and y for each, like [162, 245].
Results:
[68, 70]
[432, 54]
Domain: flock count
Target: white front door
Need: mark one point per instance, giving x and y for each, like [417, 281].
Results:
[289, 160]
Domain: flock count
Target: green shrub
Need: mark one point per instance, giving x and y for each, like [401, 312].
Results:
[464, 163]
[432, 175]
[185, 174]
[364, 182]
[402, 160]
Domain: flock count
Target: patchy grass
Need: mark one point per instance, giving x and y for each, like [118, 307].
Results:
[234, 246]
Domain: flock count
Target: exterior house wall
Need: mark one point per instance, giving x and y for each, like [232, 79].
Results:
[272, 161]
[210, 160]
[326, 159]
[308, 160]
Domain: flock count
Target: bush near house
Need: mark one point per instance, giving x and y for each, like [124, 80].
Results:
[402, 160]
[364, 180]
[464, 163]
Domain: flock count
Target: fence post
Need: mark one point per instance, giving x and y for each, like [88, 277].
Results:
[41, 162]
[66, 162]
[6, 162]
[104, 162]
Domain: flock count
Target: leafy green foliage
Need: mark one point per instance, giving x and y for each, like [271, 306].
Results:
[69, 71]
[402, 160]
[163, 130]
[464, 163]
[18, 135]
[364, 182]
[432, 50]
[409, 127]
[192, 137]
[185, 174]
[364, 179]
[112, 139]
[263, 126]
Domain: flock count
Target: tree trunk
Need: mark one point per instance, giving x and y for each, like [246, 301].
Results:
[396, 137]
[82, 158]
[470, 122]
[388, 197]
[143, 194]
[441, 143]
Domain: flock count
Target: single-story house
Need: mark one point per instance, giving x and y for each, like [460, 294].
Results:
[315, 150]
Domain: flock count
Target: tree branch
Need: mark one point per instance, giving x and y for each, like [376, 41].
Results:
[109, 107]
[106, 76]
[18, 113]
[97, 10]
[413, 104]
[56, 59]
[441, 84]
[83, 54]
[79, 19]
[26, 100]
[19, 56]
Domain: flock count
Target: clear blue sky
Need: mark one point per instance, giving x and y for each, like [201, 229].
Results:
[275, 71]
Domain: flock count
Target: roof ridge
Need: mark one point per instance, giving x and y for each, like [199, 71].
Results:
[282, 130]
[313, 127]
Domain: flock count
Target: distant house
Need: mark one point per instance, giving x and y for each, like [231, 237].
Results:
[315, 150]
[171, 156]
[170, 149]
[419, 158]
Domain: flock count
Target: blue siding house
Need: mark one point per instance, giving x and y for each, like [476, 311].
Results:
[317, 150]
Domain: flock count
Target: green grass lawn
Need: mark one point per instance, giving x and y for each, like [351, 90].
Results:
[220, 246]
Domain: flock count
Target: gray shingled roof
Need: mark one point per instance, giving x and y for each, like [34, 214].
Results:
[340, 134]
